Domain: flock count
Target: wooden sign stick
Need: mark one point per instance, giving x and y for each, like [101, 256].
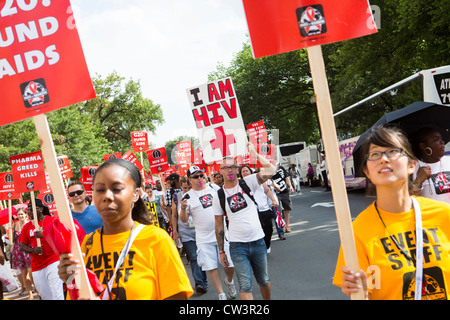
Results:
[64, 214]
[35, 218]
[330, 142]
[11, 226]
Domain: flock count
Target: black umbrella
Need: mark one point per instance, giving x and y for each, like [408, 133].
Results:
[410, 119]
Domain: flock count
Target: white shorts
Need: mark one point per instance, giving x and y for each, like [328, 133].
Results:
[208, 257]
[48, 283]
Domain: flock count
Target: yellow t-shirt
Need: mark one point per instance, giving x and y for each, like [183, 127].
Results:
[152, 270]
[391, 276]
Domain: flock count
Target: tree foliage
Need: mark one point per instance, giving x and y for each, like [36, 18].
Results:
[86, 131]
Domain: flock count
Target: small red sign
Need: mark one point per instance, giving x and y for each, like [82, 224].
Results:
[257, 132]
[28, 171]
[157, 160]
[139, 140]
[87, 177]
[64, 167]
[7, 189]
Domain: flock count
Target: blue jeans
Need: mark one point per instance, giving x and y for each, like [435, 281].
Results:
[200, 278]
[248, 256]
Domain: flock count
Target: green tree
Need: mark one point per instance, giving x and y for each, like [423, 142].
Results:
[119, 109]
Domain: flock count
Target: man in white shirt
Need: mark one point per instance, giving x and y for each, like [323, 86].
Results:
[199, 205]
[247, 247]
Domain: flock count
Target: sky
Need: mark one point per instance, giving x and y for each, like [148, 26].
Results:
[169, 46]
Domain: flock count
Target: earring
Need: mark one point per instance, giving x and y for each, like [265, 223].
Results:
[428, 151]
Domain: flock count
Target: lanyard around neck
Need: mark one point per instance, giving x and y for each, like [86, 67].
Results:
[419, 247]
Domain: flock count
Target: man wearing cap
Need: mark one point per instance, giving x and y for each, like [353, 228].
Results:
[44, 262]
[199, 206]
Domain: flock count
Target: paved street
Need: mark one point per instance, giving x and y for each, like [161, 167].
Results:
[302, 266]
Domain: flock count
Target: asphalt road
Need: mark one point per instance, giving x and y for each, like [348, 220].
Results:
[302, 266]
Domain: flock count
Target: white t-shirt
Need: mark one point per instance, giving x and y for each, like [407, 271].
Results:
[200, 207]
[244, 225]
[261, 198]
[438, 186]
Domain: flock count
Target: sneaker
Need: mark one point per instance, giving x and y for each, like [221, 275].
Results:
[231, 289]
[282, 237]
[222, 296]
[288, 229]
[269, 249]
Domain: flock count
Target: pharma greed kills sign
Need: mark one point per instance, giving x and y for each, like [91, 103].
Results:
[281, 26]
[28, 171]
[42, 66]
[218, 119]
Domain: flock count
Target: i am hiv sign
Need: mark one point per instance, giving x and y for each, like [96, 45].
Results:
[218, 119]
[281, 26]
[28, 171]
[42, 65]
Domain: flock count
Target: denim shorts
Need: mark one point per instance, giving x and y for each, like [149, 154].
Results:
[248, 256]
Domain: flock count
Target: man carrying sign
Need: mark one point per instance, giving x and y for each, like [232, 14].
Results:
[44, 262]
[246, 236]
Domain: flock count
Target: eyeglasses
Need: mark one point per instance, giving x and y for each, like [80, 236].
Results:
[393, 153]
[198, 176]
[229, 167]
[78, 193]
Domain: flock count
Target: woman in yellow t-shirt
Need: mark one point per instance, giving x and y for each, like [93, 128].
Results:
[385, 233]
[152, 269]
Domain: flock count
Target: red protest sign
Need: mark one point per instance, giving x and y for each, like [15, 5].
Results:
[129, 155]
[139, 140]
[109, 156]
[64, 167]
[42, 66]
[186, 148]
[28, 171]
[257, 132]
[157, 160]
[267, 151]
[87, 176]
[7, 189]
[281, 26]
[49, 200]
[218, 119]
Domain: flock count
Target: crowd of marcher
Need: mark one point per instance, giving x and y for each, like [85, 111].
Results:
[136, 234]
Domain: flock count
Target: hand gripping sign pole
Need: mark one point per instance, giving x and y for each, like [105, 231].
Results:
[64, 214]
[329, 137]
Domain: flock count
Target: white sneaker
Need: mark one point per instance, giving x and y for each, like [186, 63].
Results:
[222, 296]
[231, 289]
[269, 249]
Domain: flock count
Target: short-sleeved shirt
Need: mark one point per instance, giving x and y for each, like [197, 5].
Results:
[89, 219]
[38, 261]
[152, 270]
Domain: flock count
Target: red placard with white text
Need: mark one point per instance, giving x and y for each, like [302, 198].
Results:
[109, 156]
[139, 140]
[7, 189]
[257, 132]
[281, 26]
[157, 160]
[42, 65]
[64, 167]
[28, 171]
[87, 177]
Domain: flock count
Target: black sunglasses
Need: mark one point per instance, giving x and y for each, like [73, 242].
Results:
[198, 176]
[78, 193]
